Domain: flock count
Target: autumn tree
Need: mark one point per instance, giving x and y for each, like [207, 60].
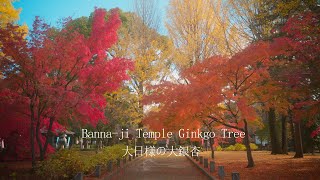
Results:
[262, 20]
[201, 29]
[150, 52]
[246, 73]
[8, 14]
[121, 110]
[139, 41]
[300, 68]
[220, 90]
[63, 75]
[14, 116]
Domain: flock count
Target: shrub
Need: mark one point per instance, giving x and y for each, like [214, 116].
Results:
[230, 148]
[60, 165]
[219, 148]
[64, 164]
[239, 147]
[114, 152]
[253, 146]
[108, 153]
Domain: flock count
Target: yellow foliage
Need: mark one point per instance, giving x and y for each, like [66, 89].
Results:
[122, 106]
[201, 29]
[259, 17]
[8, 14]
[151, 54]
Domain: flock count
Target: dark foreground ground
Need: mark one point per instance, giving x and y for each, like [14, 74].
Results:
[267, 167]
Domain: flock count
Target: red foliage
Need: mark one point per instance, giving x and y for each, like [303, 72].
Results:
[15, 127]
[61, 75]
[300, 45]
[223, 88]
[315, 132]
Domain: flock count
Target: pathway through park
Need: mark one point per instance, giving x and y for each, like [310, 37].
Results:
[161, 167]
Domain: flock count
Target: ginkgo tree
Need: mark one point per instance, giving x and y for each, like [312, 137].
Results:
[151, 55]
[62, 75]
[201, 29]
[9, 14]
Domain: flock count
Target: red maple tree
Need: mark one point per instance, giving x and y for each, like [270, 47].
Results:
[61, 75]
[298, 58]
[217, 91]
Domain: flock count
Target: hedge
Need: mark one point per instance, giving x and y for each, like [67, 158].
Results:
[64, 164]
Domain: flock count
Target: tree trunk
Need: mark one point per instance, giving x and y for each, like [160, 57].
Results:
[293, 144]
[298, 140]
[49, 134]
[211, 142]
[140, 141]
[275, 143]
[43, 148]
[284, 137]
[247, 144]
[33, 158]
[38, 139]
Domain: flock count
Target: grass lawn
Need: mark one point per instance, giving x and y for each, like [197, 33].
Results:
[268, 166]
